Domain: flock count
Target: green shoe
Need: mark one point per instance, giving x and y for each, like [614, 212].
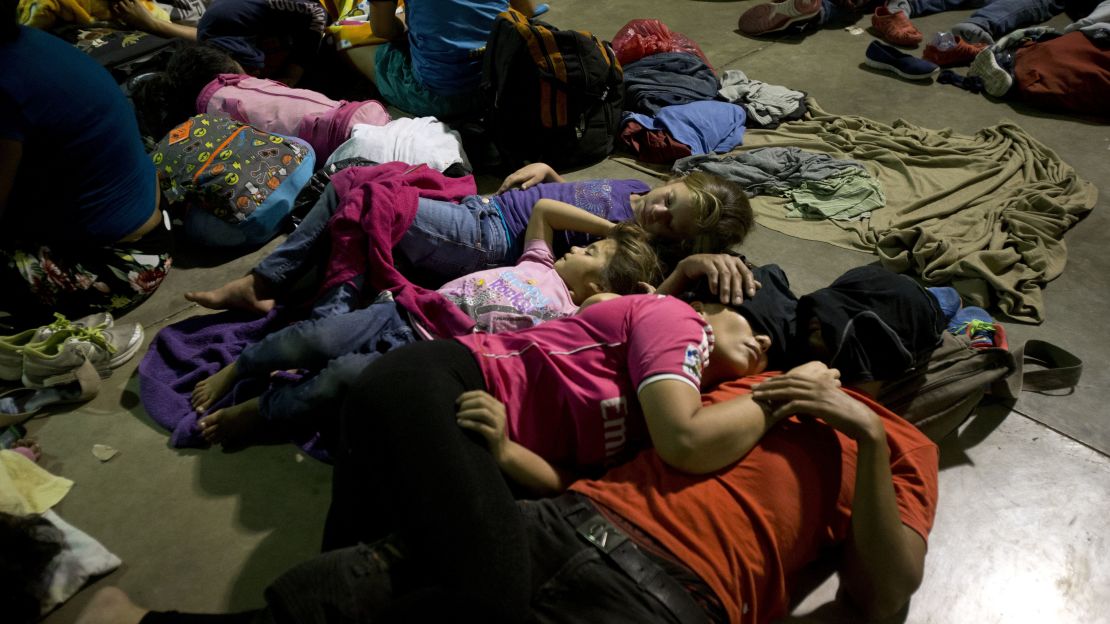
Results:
[97, 320]
[54, 361]
[11, 347]
[11, 354]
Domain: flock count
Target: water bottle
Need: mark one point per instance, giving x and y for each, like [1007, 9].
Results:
[944, 40]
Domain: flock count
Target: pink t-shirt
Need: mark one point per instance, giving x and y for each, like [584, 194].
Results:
[515, 297]
[570, 386]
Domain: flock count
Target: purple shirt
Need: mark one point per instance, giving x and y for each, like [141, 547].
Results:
[608, 199]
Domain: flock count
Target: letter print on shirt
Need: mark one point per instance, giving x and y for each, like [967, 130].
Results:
[614, 416]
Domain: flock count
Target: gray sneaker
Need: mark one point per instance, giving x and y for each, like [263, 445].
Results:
[101, 320]
[11, 347]
[54, 361]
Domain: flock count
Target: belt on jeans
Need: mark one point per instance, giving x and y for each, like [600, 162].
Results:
[622, 552]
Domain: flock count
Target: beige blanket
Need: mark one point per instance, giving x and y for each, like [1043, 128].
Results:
[984, 213]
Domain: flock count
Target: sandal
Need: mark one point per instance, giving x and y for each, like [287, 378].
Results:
[19, 405]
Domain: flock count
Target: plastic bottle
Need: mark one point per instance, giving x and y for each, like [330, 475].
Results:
[944, 40]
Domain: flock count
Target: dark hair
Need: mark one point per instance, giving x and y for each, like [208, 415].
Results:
[29, 545]
[167, 98]
[633, 262]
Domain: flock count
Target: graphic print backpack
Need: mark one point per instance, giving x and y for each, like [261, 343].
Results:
[231, 184]
[553, 95]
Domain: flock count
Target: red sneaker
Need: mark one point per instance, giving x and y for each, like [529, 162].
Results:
[774, 16]
[895, 27]
[960, 54]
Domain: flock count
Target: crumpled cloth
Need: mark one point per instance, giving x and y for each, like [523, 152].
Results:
[984, 213]
[767, 104]
[27, 488]
[817, 185]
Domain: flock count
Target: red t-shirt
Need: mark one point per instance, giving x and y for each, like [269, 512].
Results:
[570, 385]
[748, 529]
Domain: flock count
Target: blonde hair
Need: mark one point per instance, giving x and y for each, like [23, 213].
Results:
[725, 214]
[634, 261]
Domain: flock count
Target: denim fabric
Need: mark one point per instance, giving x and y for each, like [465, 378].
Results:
[928, 7]
[304, 248]
[451, 240]
[313, 343]
[1001, 17]
[301, 404]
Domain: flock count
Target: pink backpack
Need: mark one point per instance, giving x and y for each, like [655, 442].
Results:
[322, 122]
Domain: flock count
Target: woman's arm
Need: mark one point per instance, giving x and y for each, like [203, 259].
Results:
[534, 473]
[480, 412]
[884, 560]
[727, 276]
[700, 438]
[703, 438]
[529, 176]
[549, 215]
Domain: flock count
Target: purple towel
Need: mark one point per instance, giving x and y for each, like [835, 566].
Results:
[188, 351]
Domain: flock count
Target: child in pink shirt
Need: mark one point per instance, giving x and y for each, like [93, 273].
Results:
[441, 428]
[538, 288]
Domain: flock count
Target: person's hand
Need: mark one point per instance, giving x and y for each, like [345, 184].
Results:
[478, 411]
[528, 176]
[133, 14]
[798, 394]
[818, 371]
[729, 277]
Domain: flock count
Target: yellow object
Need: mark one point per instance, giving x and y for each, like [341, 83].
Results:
[48, 13]
[25, 488]
[351, 25]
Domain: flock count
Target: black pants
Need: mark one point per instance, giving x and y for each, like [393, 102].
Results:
[405, 466]
[571, 581]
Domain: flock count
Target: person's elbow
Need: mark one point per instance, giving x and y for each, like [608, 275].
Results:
[683, 452]
[891, 596]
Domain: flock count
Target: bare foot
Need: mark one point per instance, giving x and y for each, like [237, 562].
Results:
[231, 424]
[208, 391]
[111, 605]
[246, 293]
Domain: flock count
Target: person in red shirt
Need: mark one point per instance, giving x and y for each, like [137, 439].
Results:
[650, 543]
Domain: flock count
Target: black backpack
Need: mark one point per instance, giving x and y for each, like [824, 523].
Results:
[552, 95]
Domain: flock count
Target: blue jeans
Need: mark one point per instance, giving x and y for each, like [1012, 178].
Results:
[447, 239]
[339, 347]
[997, 17]
[451, 240]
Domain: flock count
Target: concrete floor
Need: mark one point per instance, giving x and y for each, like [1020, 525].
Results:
[1020, 533]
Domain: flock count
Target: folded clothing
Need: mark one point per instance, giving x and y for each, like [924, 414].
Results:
[420, 140]
[704, 127]
[668, 78]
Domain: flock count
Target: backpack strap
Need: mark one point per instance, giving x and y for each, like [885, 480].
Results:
[1059, 369]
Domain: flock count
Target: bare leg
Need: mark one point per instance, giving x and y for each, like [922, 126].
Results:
[208, 391]
[246, 293]
[111, 605]
[232, 424]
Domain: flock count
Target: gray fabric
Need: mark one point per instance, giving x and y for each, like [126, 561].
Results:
[1096, 25]
[768, 171]
[766, 103]
[818, 186]
[985, 213]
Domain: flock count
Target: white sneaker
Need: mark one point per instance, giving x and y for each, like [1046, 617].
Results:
[11, 347]
[54, 361]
